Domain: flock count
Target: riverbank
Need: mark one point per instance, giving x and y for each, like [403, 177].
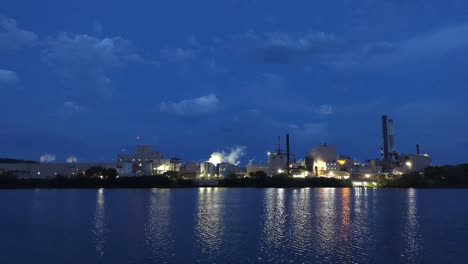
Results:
[432, 177]
[166, 182]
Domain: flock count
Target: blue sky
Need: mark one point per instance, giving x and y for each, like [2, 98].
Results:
[86, 78]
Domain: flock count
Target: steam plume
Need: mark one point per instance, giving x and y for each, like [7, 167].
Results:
[47, 158]
[231, 157]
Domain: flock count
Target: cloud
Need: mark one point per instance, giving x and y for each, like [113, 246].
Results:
[287, 48]
[200, 106]
[326, 110]
[231, 157]
[72, 159]
[45, 158]
[87, 62]
[192, 40]
[309, 129]
[8, 77]
[428, 46]
[178, 54]
[71, 107]
[12, 37]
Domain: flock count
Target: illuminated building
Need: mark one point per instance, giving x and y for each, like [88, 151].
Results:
[324, 160]
[145, 162]
[207, 170]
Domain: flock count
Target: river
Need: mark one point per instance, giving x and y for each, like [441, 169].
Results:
[229, 225]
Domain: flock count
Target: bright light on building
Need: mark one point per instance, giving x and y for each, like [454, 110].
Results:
[280, 171]
[367, 176]
[341, 162]
[358, 184]
[409, 164]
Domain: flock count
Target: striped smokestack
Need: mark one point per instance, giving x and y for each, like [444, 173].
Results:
[288, 156]
[385, 141]
[391, 137]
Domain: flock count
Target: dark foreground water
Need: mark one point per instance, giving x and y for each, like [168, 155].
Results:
[215, 225]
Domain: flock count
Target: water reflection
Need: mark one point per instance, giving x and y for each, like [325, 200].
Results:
[99, 229]
[301, 222]
[274, 226]
[326, 216]
[413, 245]
[209, 227]
[275, 217]
[157, 229]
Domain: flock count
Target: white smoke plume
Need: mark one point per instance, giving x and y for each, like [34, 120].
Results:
[72, 159]
[47, 158]
[231, 157]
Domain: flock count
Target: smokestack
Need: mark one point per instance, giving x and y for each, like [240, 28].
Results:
[288, 169]
[417, 149]
[278, 150]
[391, 137]
[385, 140]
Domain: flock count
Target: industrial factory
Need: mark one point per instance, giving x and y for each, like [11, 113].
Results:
[321, 161]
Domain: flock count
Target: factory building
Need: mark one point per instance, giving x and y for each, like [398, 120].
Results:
[145, 162]
[189, 170]
[278, 161]
[224, 169]
[398, 163]
[251, 169]
[322, 160]
[207, 170]
[412, 163]
[49, 170]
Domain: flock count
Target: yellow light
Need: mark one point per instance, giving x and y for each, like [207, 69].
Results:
[409, 164]
[367, 176]
[341, 162]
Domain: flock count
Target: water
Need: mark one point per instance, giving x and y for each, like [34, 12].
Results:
[216, 225]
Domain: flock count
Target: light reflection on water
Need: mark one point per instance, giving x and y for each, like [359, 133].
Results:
[209, 228]
[273, 238]
[99, 229]
[302, 238]
[325, 222]
[411, 253]
[217, 225]
[158, 232]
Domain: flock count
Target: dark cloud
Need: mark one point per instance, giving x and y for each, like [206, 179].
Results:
[288, 48]
[419, 48]
[178, 54]
[8, 77]
[201, 106]
[86, 63]
[13, 37]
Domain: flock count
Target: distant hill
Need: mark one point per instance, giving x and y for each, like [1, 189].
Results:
[8, 160]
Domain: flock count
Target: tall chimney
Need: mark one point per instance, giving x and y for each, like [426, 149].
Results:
[288, 161]
[391, 137]
[385, 141]
[417, 149]
[278, 150]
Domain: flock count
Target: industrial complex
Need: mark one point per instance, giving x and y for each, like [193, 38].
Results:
[321, 161]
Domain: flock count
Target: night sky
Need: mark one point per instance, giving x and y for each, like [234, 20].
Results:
[86, 78]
